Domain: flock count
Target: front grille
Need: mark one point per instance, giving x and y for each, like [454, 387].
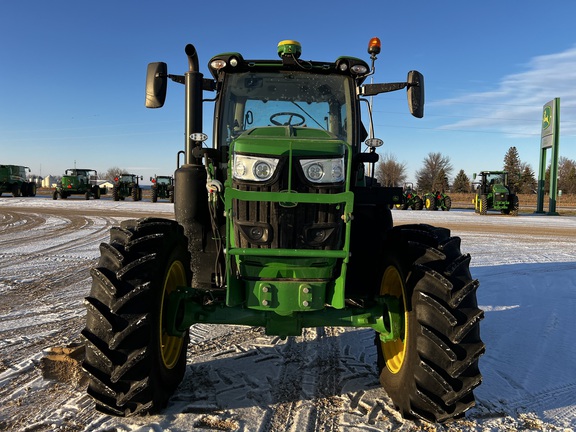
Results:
[271, 225]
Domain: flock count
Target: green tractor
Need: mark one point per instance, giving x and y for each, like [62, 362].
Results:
[162, 187]
[13, 180]
[437, 200]
[127, 185]
[77, 181]
[494, 193]
[410, 199]
[277, 225]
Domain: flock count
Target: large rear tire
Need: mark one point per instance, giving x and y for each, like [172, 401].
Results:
[418, 204]
[430, 202]
[514, 205]
[134, 366]
[431, 370]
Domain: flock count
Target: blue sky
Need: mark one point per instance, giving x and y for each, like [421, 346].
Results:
[72, 74]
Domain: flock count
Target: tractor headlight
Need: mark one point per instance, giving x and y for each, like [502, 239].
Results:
[323, 170]
[253, 168]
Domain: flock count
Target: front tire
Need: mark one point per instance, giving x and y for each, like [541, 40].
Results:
[483, 205]
[134, 366]
[16, 192]
[431, 370]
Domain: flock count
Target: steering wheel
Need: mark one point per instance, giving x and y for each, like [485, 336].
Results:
[290, 115]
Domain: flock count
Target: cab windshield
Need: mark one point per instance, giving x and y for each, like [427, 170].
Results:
[496, 178]
[163, 180]
[320, 101]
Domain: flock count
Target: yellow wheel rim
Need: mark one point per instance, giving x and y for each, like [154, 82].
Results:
[395, 351]
[171, 346]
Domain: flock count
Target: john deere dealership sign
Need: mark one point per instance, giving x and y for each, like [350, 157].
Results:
[548, 124]
[549, 139]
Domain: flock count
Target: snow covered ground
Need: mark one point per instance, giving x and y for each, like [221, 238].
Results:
[239, 379]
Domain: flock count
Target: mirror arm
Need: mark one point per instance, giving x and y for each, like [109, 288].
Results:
[207, 84]
[177, 78]
[374, 89]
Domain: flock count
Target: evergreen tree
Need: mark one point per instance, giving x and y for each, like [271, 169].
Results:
[461, 182]
[513, 165]
[528, 181]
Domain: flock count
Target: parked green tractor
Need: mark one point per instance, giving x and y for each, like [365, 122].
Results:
[410, 198]
[494, 193]
[13, 180]
[162, 187]
[77, 181]
[277, 225]
[437, 200]
[127, 185]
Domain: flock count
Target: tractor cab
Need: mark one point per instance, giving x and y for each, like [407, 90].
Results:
[495, 182]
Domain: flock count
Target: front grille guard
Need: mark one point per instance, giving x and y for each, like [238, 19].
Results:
[335, 296]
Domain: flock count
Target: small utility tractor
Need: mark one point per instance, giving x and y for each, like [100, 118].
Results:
[437, 200]
[410, 199]
[127, 185]
[494, 193]
[13, 180]
[77, 181]
[277, 225]
[162, 187]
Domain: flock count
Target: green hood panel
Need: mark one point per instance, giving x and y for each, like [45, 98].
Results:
[280, 140]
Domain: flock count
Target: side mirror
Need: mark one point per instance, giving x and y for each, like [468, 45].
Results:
[416, 93]
[156, 84]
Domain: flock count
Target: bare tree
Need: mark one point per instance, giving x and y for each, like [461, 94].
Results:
[566, 175]
[390, 172]
[434, 163]
[112, 173]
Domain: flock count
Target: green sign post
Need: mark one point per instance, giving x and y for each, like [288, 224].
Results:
[549, 138]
